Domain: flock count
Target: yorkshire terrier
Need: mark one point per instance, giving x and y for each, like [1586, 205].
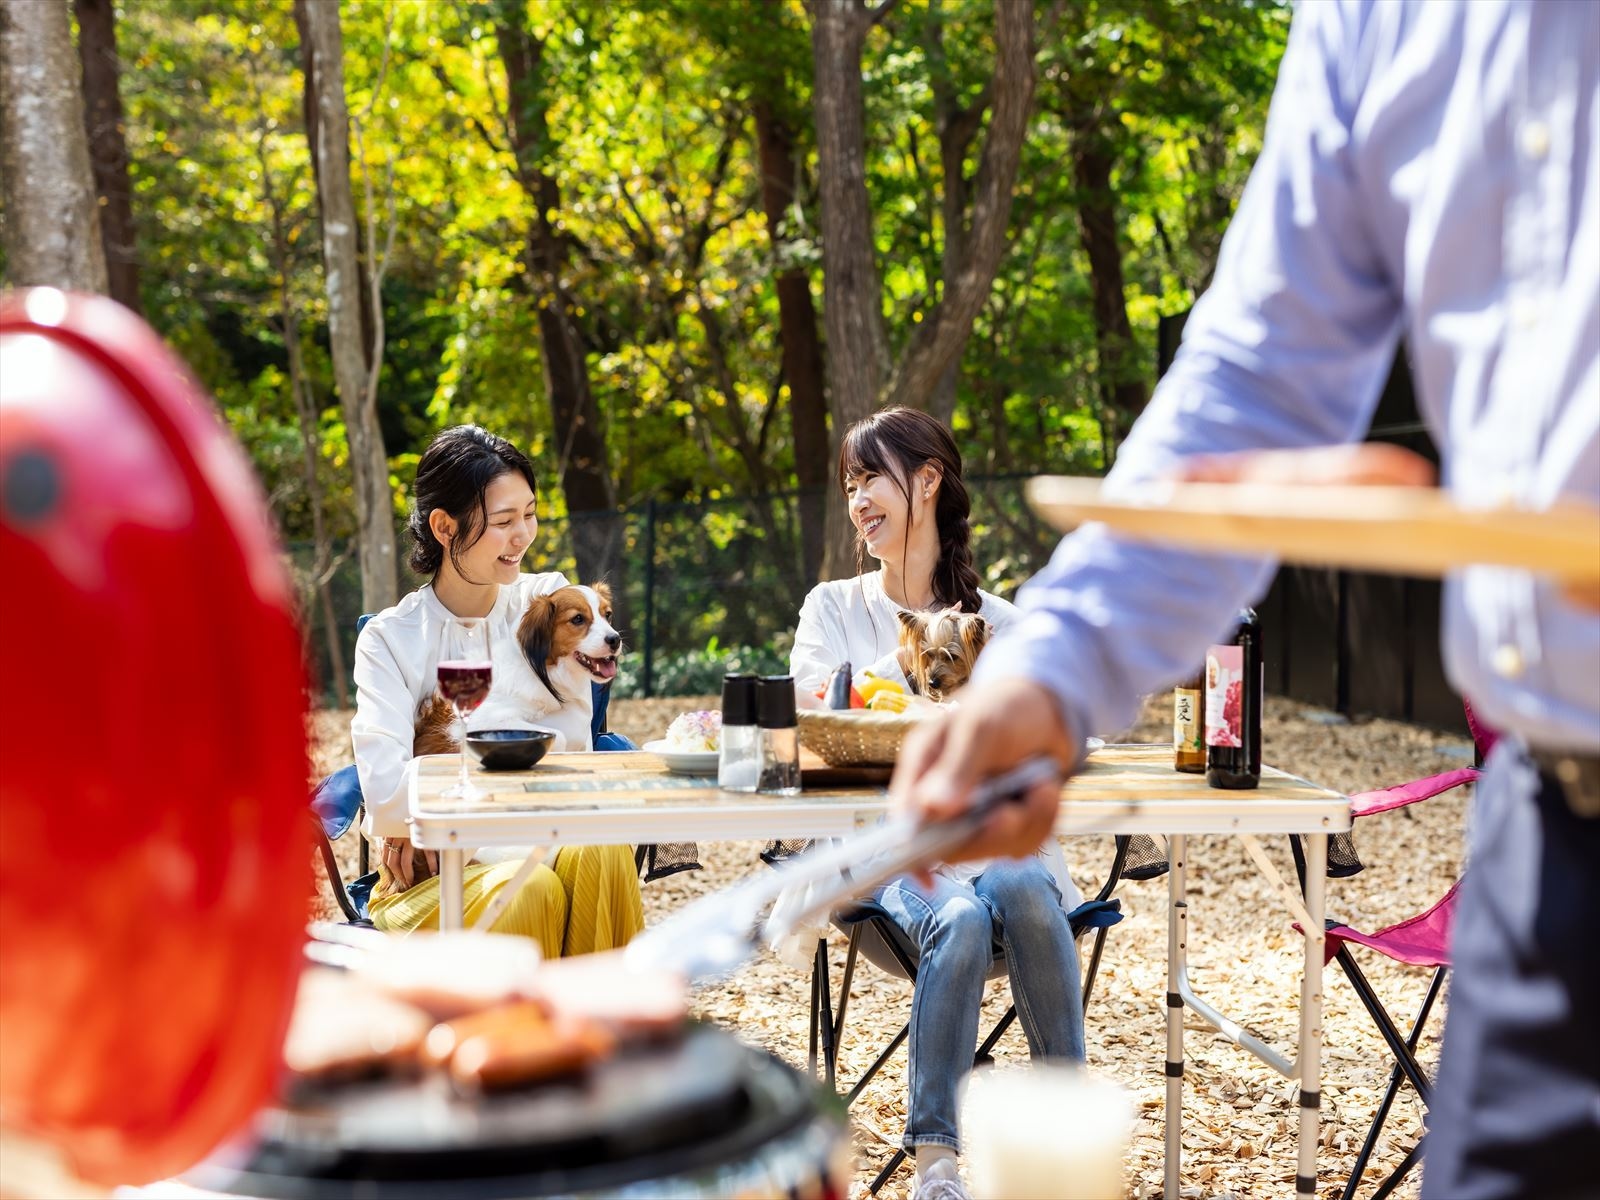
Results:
[939, 649]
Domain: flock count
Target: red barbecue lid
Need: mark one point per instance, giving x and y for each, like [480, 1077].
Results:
[155, 858]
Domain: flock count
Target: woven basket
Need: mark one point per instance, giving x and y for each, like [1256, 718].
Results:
[855, 737]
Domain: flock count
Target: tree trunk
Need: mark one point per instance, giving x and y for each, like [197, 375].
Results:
[597, 530]
[108, 147]
[331, 149]
[957, 126]
[308, 109]
[858, 355]
[1121, 383]
[802, 349]
[306, 413]
[322, 560]
[52, 225]
[942, 336]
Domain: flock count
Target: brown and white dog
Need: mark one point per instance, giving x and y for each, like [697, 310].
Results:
[564, 641]
[939, 649]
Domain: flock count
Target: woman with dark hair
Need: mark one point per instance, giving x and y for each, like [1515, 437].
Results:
[900, 472]
[472, 520]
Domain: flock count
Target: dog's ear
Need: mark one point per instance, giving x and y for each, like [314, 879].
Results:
[974, 636]
[910, 622]
[603, 590]
[536, 635]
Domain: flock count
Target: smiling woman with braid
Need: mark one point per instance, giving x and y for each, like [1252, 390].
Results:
[900, 473]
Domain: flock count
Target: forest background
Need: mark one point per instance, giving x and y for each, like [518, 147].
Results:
[670, 248]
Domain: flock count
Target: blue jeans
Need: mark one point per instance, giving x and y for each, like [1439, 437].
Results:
[955, 927]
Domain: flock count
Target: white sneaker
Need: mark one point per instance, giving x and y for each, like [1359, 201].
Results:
[939, 1189]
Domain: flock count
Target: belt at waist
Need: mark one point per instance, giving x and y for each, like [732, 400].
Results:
[1576, 776]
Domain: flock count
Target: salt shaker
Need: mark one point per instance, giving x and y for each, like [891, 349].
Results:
[739, 758]
[780, 738]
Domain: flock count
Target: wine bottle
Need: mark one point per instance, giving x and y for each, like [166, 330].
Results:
[1188, 724]
[1234, 676]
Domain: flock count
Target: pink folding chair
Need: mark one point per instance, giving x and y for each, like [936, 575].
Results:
[1420, 941]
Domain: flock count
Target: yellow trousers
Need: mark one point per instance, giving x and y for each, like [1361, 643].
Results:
[587, 899]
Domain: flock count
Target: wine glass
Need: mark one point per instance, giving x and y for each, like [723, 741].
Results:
[465, 673]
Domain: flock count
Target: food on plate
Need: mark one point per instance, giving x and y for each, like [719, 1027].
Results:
[604, 988]
[447, 974]
[515, 1044]
[508, 1024]
[344, 1027]
[695, 731]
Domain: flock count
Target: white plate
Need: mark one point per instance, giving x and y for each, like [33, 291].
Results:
[1091, 744]
[684, 762]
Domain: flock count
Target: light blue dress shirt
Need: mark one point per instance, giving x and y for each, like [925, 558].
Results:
[1428, 168]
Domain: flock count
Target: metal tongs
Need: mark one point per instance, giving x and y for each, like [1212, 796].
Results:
[718, 933]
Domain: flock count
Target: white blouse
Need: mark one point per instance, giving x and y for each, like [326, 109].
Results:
[853, 620]
[397, 658]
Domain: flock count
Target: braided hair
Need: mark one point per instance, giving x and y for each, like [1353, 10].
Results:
[894, 442]
[453, 474]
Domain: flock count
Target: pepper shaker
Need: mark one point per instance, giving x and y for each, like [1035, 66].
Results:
[780, 737]
[739, 755]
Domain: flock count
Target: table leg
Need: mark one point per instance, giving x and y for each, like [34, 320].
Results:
[451, 901]
[1305, 1183]
[1177, 953]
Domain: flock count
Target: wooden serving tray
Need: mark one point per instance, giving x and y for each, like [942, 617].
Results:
[1401, 530]
[814, 773]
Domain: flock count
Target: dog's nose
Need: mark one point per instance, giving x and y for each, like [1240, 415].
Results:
[614, 640]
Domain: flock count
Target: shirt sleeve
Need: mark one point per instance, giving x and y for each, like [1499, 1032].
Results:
[1288, 348]
[813, 657]
[382, 732]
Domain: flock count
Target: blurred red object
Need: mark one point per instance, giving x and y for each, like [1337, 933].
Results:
[155, 859]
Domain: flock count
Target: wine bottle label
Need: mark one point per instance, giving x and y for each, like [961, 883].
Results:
[1187, 720]
[1224, 696]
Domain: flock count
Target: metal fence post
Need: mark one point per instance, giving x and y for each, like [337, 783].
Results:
[649, 597]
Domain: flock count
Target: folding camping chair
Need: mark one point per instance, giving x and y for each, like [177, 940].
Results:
[875, 936]
[1422, 940]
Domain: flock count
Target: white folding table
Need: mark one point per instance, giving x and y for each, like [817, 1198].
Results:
[604, 799]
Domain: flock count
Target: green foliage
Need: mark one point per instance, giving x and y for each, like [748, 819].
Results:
[700, 672]
[649, 130]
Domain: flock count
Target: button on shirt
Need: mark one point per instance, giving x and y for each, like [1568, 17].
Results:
[1431, 169]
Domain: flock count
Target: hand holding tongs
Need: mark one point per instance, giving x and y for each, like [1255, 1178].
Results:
[717, 933]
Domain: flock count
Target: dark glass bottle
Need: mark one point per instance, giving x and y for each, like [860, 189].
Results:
[1189, 724]
[1233, 707]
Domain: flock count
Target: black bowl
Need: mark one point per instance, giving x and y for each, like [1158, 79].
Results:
[509, 749]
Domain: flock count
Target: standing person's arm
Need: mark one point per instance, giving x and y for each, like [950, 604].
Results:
[1288, 349]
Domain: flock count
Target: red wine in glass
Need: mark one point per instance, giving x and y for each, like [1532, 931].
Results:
[465, 684]
[464, 674]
